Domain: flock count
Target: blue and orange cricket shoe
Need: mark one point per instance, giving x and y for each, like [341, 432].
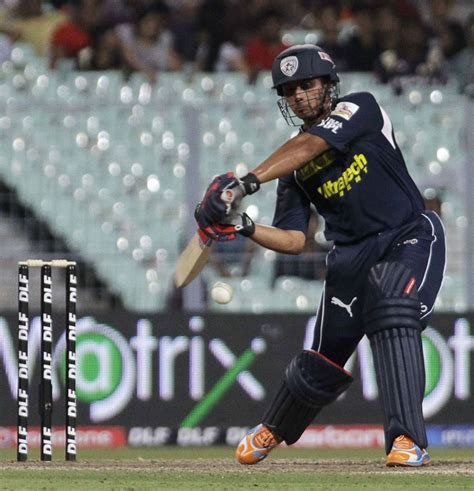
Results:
[405, 452]
[256, 445]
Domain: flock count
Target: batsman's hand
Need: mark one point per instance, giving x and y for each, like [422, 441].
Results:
[213, 231]
[224, 194]
[241, 186]
[238, 223]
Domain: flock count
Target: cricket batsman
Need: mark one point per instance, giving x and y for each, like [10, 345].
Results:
[383, 272]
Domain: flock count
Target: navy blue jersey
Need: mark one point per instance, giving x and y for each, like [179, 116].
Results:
[360, 186]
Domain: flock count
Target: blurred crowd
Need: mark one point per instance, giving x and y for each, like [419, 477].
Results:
[391, 38]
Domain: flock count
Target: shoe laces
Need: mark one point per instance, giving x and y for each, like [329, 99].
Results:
[404, 442]
[265, 438]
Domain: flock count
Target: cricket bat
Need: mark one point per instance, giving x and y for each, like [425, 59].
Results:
[193, 259]
[196, 254]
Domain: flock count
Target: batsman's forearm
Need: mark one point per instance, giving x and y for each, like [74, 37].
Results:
[276, 239]
[290, 157]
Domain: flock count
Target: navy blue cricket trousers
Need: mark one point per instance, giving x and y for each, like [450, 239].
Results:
[419, 245]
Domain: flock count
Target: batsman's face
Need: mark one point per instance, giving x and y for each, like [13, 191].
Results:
[307, 98]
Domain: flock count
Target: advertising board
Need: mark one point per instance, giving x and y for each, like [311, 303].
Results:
[205, 378]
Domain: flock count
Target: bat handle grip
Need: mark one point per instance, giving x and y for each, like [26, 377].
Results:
[205, 239]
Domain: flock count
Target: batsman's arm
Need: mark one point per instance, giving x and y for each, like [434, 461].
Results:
[290, 156]
[279, 240]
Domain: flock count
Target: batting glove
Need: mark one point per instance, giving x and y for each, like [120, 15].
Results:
[238, 223]
[242, 186]
[212, 209]
[224, 192]
[213, 231]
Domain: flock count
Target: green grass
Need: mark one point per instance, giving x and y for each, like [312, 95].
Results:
[214, 468]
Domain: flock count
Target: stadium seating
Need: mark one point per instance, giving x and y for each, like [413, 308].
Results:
[105, 162]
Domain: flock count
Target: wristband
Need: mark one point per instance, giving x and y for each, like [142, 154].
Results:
[251, 183]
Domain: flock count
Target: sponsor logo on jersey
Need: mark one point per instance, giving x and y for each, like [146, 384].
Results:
[331, 124]
[345, 110]
[289, 65]
[317, 164]
[353, 174]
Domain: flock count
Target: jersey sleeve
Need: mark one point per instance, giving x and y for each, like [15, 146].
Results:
[292, 209]
[354, 116]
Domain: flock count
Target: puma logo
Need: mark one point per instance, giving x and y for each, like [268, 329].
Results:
[340, 303]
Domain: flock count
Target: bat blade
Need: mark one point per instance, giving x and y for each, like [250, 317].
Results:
[192, 260]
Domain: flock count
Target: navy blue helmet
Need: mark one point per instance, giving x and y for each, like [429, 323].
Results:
[302, 62]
